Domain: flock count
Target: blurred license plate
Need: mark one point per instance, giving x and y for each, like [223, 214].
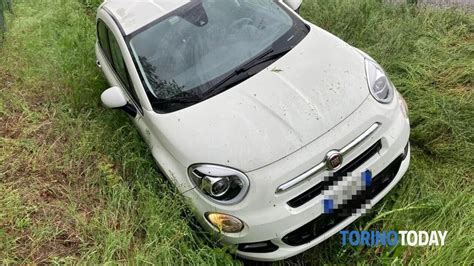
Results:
[342, 191]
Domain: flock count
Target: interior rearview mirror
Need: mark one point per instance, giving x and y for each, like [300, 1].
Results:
[114, 98]
[294, 4]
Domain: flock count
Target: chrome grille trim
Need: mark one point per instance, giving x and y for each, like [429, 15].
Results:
[322, 166]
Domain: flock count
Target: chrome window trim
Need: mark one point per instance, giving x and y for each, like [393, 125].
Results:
[322, 165]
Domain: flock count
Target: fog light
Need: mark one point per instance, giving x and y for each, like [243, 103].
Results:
[225, 223]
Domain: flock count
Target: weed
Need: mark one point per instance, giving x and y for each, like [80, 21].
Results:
[78, 185]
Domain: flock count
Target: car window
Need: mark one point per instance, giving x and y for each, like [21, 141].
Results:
[102, 34]
[111, 48]
[117, 59]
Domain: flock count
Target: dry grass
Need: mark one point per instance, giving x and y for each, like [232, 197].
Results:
[77, 184]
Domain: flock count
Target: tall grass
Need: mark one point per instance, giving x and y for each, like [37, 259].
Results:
[77, 183]
[91, 4]
[428, 54]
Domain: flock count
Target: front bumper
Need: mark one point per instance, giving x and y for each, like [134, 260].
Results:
[270, 220]
[332, 226]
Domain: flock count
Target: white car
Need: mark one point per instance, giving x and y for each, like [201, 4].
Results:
[279, 133]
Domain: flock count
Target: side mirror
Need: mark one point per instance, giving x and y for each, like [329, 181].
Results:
[114, 98]
[294, 4]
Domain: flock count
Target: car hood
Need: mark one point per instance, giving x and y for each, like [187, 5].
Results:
[273, 114]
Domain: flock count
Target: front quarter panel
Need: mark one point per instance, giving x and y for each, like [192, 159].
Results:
[162, 152]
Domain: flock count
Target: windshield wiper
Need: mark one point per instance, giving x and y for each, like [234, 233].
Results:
[241, 73]
[219, 85]
[177, 100]
[265, 57]
[180, 98]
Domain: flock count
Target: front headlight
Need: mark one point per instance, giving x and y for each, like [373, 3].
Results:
[222, 184]
[380, 86]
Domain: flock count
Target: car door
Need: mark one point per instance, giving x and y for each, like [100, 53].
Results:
[117, 73]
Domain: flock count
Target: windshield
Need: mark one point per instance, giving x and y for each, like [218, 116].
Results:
[197, 51]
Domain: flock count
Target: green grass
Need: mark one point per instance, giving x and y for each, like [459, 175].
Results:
[77, 184]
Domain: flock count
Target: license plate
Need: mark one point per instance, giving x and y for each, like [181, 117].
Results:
[345, 190]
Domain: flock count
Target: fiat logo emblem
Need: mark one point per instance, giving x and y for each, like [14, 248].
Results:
[333, 160]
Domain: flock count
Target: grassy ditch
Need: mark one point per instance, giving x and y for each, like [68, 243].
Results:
[78, 185]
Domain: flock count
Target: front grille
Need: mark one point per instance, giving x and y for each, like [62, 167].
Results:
[325, 222]
[313, 192]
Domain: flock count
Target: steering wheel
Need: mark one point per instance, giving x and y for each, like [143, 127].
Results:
[240, 23]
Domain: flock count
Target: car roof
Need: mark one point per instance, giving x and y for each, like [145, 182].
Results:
[134, 14]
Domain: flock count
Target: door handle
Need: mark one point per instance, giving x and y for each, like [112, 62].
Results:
[97, 62]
